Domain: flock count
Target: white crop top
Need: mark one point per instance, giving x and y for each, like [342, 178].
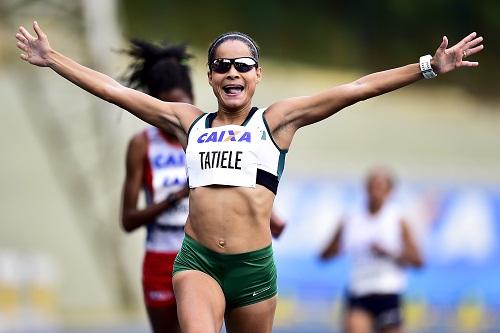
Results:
[234, 155]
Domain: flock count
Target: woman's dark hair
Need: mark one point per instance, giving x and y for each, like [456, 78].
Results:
[158, 68]
[234, 35]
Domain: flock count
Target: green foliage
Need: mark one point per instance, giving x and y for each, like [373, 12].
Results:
[366, 34]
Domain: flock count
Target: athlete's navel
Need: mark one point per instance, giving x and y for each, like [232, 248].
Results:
[221, 243]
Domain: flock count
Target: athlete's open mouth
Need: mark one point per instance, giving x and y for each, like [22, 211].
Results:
[233, 89]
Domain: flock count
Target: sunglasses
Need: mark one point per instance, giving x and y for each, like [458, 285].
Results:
[242, 65]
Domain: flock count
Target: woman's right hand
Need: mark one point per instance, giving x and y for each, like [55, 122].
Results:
[35, 50]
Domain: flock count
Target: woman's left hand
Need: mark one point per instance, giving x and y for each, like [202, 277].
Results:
[446, 60]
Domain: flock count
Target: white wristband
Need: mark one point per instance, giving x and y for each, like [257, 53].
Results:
[426, 68]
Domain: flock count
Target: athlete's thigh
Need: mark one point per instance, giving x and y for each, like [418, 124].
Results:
[253, 318]
[200, 302]
[358, 321]
[164, 319]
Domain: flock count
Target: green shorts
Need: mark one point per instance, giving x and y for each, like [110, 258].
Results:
[245, 278]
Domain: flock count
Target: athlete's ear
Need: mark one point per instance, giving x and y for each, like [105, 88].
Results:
[258, 71]
[209, 75]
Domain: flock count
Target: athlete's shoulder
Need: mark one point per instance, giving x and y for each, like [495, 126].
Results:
[197, 121]
[139, 141]
[259, 112]
[189, 113]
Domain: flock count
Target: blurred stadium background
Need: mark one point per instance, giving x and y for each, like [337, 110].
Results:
[65, 265]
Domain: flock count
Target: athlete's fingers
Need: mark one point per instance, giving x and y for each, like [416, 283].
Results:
[24, 57]
[22, 46]
[466, 39]
[38, 30]
[474, 42]
[21, 38]
[474, 50]
[444, 44]
[470, 64]
[26, 34]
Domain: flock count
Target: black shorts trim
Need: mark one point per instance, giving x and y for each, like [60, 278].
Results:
[384, 308]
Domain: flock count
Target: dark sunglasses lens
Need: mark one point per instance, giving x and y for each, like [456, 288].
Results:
[242, 67]
[221, 66]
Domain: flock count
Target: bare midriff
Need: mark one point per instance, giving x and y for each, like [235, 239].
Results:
[229, 219]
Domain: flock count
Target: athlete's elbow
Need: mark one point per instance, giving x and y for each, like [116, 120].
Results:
[328, 254]
[418, 262]
[126, 225]
[413, 261]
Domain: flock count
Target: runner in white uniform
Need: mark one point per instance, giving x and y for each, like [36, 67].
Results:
[229, 223]
[379, 244]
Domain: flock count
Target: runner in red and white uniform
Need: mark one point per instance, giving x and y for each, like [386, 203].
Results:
[155, 163]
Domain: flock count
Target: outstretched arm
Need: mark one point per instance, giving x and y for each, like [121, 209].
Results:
[172, 116]
[132, 217]
[301, 111]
